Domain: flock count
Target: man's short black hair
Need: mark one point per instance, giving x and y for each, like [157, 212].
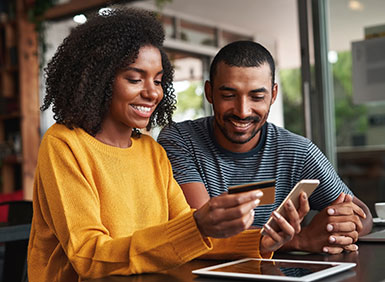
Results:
[243, 54]
[80, 76]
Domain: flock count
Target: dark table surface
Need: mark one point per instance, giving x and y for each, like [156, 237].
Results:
[370, 260]
[14, 232]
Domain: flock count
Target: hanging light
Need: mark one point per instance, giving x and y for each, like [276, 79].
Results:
[356, 5]
[80, 19]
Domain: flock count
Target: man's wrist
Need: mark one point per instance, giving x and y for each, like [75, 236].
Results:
[294, 244]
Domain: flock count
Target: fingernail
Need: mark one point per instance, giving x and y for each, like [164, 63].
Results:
[355, 247]
[252, 213]
[256, 202]
[304, 196]
[259, 194]
[329, 227]
[332, 239]
[277, 215]
[331, 211]
[267, 227]
[325, 250]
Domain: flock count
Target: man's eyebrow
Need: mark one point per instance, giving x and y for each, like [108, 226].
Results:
[141, 70]
[259, 90]
[227, 88]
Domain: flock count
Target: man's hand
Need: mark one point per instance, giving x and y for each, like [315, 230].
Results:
[333, 229]
[227, 215]
[272, 239]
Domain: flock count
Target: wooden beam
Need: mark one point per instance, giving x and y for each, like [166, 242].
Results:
[29, 98]
[77, 6]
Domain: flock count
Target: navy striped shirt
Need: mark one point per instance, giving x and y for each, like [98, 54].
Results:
[281, 155]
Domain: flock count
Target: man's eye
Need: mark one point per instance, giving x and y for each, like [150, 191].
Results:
[228, 96]
[258, 98]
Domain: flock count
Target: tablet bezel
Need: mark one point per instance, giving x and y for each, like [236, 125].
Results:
[337, 267]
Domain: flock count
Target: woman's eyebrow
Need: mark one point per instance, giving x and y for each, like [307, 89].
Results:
[141, 70]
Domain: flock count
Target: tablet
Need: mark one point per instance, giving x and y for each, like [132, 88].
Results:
[275, 269]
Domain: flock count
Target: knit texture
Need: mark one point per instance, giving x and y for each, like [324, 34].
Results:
[101, 210]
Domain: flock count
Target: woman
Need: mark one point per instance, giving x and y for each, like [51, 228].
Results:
[105, 200]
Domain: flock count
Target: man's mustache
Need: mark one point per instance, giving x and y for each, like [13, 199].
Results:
[247, 119]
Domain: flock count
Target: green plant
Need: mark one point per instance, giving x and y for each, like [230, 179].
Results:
[292, 100]
[35, 13]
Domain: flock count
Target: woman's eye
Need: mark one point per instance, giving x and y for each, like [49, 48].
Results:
[157, 82]
[134, 81]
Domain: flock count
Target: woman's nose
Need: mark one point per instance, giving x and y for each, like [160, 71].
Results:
[152, 91]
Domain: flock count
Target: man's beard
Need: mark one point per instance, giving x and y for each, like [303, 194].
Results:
[227, 118]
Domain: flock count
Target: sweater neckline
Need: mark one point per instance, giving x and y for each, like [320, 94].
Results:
[109, 149]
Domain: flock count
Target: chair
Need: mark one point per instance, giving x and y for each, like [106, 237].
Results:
[16, 246]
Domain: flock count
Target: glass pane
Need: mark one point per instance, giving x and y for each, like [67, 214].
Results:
[196, 33]
[168, 25]
[188, 84]
[228, 37]
[359, 119]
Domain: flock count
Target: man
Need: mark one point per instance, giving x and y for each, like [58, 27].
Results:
[237, 145]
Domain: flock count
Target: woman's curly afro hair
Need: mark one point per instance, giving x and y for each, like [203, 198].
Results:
[80, 76]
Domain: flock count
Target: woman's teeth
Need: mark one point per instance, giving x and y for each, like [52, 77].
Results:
[142, 108]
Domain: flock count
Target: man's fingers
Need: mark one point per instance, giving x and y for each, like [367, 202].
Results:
[359, 211]
[344, 224]
[340, 199]
[332, 250]
[341, 227]
[347, 208]
[351, 248]
[340, 240]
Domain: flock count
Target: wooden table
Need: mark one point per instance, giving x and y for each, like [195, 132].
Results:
[370, 260]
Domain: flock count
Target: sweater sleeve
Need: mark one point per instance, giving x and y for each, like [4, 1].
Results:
[245, 244]
[70, 206]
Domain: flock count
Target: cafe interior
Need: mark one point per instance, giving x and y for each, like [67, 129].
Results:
[330, 62]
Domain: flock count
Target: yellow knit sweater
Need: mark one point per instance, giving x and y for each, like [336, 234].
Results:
[101, 210]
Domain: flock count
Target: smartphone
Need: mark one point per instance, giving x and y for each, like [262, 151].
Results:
[306, 185]
[266, 186]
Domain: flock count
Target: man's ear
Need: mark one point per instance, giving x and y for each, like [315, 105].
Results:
[274, 93]
[208, 92]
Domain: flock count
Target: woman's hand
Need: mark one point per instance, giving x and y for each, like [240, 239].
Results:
[272, 239]
[227, 215]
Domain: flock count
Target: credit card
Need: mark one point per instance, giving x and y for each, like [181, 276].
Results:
[266, 186]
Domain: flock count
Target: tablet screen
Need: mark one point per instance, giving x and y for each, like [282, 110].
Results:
[274, 269]
[293, 269]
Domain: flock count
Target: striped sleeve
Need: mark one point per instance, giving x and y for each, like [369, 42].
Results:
[318, 167]
[180, 155]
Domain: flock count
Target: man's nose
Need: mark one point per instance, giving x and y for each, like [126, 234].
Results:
[243, 108]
